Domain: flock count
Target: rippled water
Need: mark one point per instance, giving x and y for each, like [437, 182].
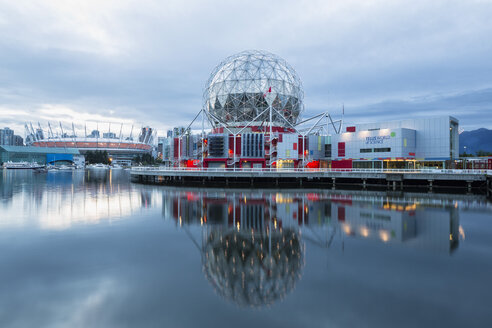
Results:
[90, 249]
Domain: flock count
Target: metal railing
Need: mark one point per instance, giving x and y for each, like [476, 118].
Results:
[312, 170]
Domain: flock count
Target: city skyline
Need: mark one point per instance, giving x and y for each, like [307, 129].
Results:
[147, 63]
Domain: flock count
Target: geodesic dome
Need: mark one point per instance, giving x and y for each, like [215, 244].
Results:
[241, 268]
[244, 85]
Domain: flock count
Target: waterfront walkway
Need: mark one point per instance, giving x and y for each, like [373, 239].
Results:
[395, 179]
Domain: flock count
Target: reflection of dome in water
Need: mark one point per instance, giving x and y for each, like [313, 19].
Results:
[237, 90]
[241, 269]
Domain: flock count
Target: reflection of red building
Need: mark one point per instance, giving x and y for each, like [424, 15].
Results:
[379, 218]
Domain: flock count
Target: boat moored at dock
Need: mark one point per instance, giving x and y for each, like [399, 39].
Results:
[21, 165]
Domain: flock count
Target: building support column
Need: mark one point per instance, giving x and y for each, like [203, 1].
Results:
[469, 186]
[364, 183]
[430, 185]
[333, 183]
[394, 185]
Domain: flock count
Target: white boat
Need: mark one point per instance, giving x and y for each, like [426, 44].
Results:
[116, 167]
[51, 167]
[98, 166]
[22, 165]
[66, 167]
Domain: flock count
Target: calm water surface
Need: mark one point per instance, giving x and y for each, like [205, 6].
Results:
[90, 249]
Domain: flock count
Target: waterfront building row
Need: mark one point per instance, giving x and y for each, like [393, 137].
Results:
[414, 143]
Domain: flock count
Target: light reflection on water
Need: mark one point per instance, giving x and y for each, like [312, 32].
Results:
[301, 258]
[57, 200]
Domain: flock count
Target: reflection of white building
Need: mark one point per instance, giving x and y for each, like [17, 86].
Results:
[436, 229]
[373, 222]
[417, 226]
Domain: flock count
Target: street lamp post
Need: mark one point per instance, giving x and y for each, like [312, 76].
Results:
[464, 157]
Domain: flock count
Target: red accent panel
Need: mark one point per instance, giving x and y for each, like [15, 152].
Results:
[295, 146]
[176, 141]
[350, 128]
[231, 144]
[341, 149]
[411, 154]
[301, 146]
[192, 163]
[280, 137]
[343, 164]
[341, 214]
[313, 165]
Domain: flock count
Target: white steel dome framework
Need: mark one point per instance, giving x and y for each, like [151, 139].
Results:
[243, 87]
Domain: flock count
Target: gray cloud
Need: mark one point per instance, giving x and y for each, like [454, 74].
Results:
[148, 61]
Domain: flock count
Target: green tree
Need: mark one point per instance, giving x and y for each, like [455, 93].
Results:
[95, 157]
[483, 153]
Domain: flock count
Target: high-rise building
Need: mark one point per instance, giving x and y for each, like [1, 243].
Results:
[18, 141]
[94, 134]
[39, 134]
[6, 137]
[109, 135]
[146, 135]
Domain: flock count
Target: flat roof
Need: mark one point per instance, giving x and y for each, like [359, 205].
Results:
[39, 150]
[451, 118]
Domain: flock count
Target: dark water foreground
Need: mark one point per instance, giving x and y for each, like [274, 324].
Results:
[90, 249]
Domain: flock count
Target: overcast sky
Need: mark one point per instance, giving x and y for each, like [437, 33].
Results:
[146, 62]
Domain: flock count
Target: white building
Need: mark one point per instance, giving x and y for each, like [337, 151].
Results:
[413, 143]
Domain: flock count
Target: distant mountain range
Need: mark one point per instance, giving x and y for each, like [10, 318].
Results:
[475, 140]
